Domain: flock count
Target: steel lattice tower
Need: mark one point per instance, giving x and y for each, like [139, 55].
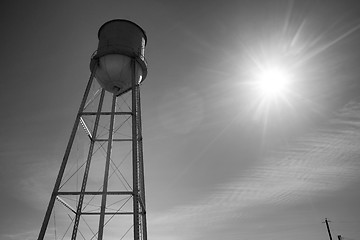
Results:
[99, 192]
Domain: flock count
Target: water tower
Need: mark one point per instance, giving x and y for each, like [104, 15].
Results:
[99, 192]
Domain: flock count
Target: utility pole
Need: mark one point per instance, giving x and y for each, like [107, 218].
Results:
[328, 228]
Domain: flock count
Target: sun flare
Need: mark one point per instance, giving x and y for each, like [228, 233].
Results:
[272, 82]
[272, 89]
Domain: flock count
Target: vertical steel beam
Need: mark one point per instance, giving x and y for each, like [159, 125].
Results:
[107, 165]
[65, 158]
[87, 167]
[135, 151]
[141, 166]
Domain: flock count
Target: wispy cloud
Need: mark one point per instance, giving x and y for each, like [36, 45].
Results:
[323, 161]
[26, 235]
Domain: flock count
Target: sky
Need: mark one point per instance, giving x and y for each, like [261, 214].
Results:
[220, 162]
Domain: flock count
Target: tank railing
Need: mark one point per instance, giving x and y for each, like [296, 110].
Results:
[94, 54]
[118, 48]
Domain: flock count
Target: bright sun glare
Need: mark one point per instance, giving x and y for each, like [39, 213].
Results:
[272, 82]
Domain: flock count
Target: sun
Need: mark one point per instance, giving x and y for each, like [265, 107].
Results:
[271, 88]
[272, 82]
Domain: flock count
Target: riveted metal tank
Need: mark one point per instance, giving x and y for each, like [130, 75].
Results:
[120, 42]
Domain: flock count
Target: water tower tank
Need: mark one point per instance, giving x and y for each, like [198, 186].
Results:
[120, 41]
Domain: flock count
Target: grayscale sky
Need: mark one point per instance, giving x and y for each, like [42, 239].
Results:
[219, 163]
